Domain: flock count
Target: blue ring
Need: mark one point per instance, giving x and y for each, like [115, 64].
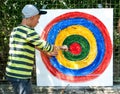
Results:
[99, 39]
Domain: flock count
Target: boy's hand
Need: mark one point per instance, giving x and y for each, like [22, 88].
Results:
[64, 48]
[56, 49]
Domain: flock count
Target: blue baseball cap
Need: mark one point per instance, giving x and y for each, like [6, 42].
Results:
[30, 10]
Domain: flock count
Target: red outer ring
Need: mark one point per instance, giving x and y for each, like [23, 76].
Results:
[106, 58]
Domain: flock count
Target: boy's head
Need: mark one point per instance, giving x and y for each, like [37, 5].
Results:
[31, 15]
[30, 10]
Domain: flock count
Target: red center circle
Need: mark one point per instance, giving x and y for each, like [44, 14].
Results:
[75, 48]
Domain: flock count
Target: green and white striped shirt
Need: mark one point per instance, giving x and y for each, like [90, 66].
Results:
[21, 54]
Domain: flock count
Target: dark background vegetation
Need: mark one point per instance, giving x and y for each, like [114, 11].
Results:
[10, 16]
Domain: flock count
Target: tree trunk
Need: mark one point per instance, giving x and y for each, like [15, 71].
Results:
[119, 25]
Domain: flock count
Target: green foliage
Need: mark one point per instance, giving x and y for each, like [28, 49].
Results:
[116, 39]
[10, 16]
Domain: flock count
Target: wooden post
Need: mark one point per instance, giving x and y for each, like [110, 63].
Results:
[118, 26]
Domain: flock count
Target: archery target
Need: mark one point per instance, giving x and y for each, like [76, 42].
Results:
[89, 43]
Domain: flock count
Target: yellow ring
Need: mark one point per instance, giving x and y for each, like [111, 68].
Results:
[86, 33]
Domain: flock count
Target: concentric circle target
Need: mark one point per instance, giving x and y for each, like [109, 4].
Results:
[89, 44]
[86, 56]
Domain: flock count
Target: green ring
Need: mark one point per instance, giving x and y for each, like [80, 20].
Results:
[84, 45]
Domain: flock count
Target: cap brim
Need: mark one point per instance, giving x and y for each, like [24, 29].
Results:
[42, 12]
